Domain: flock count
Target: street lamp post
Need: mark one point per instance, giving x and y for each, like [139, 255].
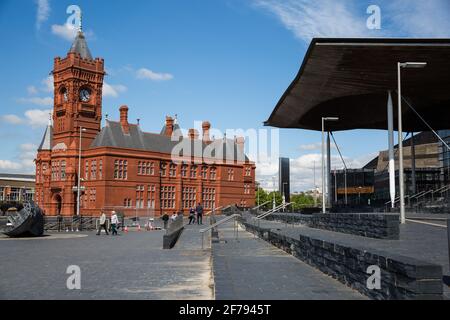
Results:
[400, 65]
[324, 209]
[79, 172]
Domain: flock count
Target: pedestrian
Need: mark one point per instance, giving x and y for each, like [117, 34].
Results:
[59, 220]
[174, 216]
[165, 218]
[102, 224]
[191, 216]
[114, 222]
[199, 211]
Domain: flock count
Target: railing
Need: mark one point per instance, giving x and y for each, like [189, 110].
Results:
[214, 210]
[276, 209]
[215, 225]
[261, 205]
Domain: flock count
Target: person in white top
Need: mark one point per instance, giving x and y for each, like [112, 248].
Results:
[114, 222]
[102, 224]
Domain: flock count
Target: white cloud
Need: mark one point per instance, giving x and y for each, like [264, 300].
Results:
[32, 90]
[12, 119]
[43, 12]
[314, 146]
[66, 31]
[329, 18]
[37, 118]
[113, 90]
[7, 165]
[420, 18]
[44, 102]
[144, 73]
[24, 162]
[325, 18]
[48, 84]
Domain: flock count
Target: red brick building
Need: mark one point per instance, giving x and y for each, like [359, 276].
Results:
[122, 166]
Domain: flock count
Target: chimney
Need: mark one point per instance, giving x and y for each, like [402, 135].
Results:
[206, 126]
[169, 126]
[240, 142]
[193, 134]
[124, 119]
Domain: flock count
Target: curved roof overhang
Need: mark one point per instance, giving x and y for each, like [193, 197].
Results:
[350, 79]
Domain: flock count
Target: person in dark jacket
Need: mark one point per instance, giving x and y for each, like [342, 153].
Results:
[191, 216]
[199, 211]
[165, 219]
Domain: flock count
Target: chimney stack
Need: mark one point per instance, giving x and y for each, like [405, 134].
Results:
[206, 126]
[193, 134]
[124, 119]
[240, 142]
[169, 126]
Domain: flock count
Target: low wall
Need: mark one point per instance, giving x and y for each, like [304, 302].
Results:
[371, 225]
[401, 277]
[173, 232]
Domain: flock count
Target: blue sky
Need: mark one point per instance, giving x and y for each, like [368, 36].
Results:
[226, 61]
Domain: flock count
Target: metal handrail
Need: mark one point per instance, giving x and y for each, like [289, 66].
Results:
[417, 194]
[429, 191]
[219, 223]
[268, 213]
[261, 205]
[215, 209]
[215, 225]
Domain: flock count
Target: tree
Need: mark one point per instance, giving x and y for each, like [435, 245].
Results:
[302, 200]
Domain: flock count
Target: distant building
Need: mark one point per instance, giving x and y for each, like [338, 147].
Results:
[359, 189]
[16, 187]
[284, 184]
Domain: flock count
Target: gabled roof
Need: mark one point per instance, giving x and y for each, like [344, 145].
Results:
[80, 46]
[112, 135]
[47, 139]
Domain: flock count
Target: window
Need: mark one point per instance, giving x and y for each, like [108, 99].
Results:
[151, 195]
[63, 170]
[194, 172]
[139, 197]
[127, 203]
[100, 169]
[213, 173]
[86, 170]
[140, 164]
[173, 170]
[247, 188]
[152, 168]
[163, 169]
[38, 173]
[121, 169]
[248, 171]
[184, 169]
[230, 174]
[204, 172]
[189, 197]
[92, 196]
[168, 197]
[94, 169]
[209, 198]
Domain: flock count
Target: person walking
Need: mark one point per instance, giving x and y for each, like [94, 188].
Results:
[114, 222]
[165, 218]
[102, 224]
[199, 211]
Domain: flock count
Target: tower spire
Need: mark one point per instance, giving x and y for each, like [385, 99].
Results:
[80, 27]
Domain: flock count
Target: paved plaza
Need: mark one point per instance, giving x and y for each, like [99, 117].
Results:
[130, 266]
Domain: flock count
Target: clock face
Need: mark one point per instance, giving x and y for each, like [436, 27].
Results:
[85, 95]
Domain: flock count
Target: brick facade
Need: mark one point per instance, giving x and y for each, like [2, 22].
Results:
[121, 166]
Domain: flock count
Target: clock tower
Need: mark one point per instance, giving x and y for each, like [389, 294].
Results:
[78, 83]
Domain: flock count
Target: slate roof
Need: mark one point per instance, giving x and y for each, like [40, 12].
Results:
[47, 139]
[112, 135]
[80, 46]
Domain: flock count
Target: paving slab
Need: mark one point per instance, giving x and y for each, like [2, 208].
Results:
[251, 269]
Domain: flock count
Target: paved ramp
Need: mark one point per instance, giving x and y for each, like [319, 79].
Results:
[252, 269]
